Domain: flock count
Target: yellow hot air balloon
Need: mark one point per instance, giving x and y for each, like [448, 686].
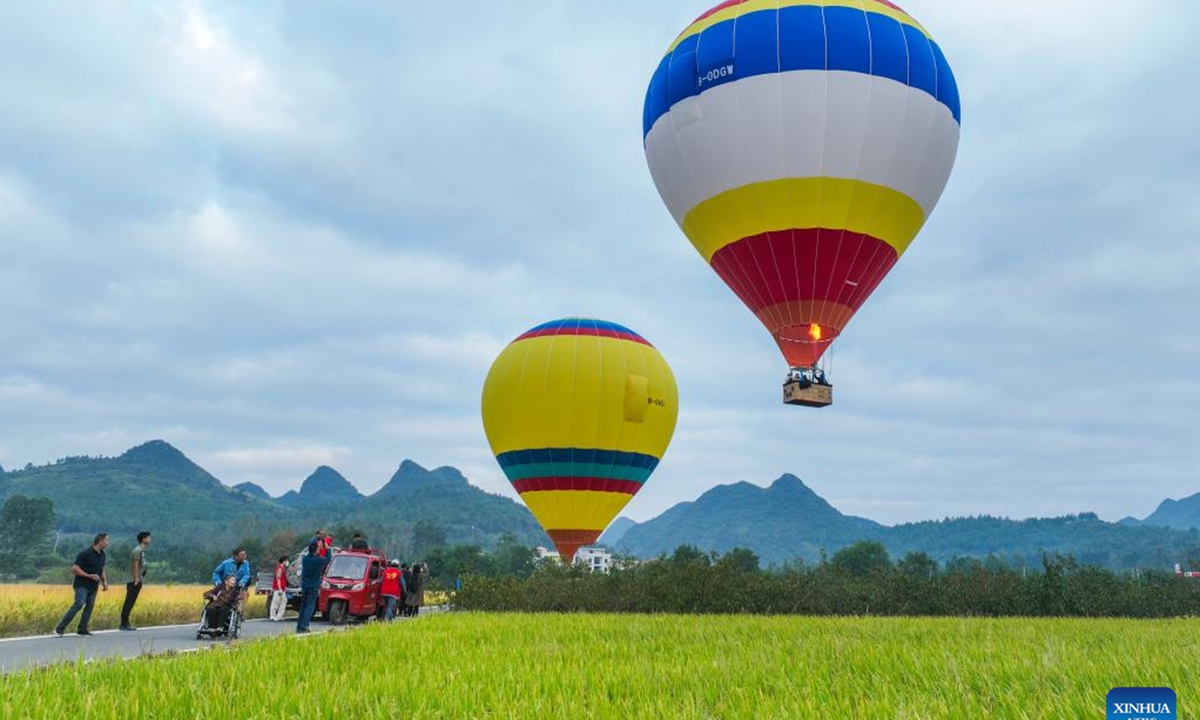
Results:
[579, 413]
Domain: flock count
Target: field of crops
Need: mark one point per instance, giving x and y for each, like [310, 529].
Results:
[35, 609]
[597, 666]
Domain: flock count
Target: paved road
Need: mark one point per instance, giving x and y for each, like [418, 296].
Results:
[20, 653]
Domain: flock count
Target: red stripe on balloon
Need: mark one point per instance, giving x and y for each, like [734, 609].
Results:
[628, 487]
[568, 542]
[593, 332]
[719, 8]
[813, 264]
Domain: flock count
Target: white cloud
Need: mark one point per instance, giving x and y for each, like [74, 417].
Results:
[292, 235]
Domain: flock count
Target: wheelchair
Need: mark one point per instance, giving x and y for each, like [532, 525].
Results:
[214, 626]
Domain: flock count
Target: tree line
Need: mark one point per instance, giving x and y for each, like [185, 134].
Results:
[32, 550]
[858, 580]
[861, 579]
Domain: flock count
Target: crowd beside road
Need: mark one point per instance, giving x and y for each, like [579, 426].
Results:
[402, 588]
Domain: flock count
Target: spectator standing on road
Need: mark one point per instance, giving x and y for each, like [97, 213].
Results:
[312, 567]
[137, 574]
[407, 579]
[416, 590]
[390, 589]
[279, 585]
[89, 575]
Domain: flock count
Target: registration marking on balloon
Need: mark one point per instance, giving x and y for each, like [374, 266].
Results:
[579, 413]
[801, 146]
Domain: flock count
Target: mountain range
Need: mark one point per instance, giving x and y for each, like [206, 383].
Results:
[788, 521]
[156, 486]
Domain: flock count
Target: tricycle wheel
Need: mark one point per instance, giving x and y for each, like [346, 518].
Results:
[337, 612]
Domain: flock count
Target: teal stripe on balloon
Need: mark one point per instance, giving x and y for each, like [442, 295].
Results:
[574, 469]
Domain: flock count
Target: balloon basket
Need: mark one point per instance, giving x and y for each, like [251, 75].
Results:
[807, 394]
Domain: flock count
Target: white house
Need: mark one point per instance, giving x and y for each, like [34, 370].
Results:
[596, 559]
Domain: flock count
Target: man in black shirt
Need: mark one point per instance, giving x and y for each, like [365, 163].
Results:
[89, 575]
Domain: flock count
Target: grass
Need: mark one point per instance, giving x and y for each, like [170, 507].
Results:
[597, 666]
[36, 609]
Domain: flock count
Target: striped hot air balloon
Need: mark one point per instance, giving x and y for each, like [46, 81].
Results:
[801, 145]
[578, 413]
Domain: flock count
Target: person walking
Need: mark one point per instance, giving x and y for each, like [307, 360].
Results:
[391, 589]
[89, 575]
[137, 574]
[416, 590]
[312, 567]
[279, 585]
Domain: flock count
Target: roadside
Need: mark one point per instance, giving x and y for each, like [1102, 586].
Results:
[17, 654]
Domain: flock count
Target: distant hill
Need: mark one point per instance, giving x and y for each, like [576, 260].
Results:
[252, 490]
[781, 522]
[151, 486]
[1177, 514]
[324, 488]
[443, 496]
[1087, 537]
[788, 520]
[616, 531]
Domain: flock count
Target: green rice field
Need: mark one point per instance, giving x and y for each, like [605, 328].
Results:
[641, 668]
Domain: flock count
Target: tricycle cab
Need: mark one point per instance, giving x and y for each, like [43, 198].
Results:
[350, 588]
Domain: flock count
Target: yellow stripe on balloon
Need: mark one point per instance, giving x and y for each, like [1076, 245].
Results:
[567, 391]
[575, 509]
[803, 203]
[736, 11]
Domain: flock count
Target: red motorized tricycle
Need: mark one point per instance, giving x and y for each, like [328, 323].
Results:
[351, 586]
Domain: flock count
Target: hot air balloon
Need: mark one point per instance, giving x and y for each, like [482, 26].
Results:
[801, 145]
[579, 413]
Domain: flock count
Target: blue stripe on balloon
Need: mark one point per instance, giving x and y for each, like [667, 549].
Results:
[832, 38]
[576, 323]
[889, 52]
[922, 63]
[589, 456]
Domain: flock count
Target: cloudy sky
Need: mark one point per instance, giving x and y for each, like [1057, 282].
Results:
[280, 235]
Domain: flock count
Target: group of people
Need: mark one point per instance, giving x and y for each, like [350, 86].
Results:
[90, 576]
[402, 587]
[812, 376]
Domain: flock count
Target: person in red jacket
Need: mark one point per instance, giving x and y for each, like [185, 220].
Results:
[279, 585]
[392, 589]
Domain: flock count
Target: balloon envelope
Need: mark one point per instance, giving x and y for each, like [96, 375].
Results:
[579, 413]
[801, 145]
